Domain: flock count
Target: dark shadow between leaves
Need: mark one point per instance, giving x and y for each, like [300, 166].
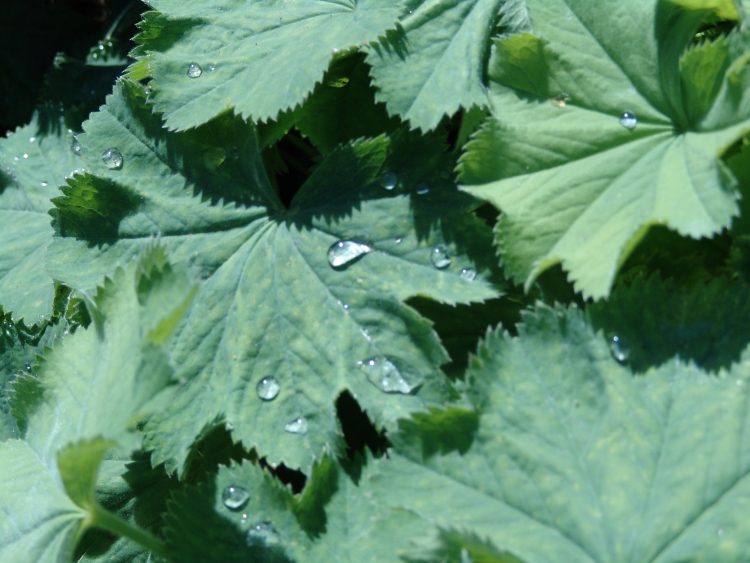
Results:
[359, 432]
[439, 431]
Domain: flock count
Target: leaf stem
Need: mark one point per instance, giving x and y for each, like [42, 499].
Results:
[104, 519]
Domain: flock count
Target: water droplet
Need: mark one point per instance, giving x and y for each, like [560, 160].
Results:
[343, 252]
[234, 497]
[384, 375]
[389, 181]
[16, 158]
[214, 157]
[211, 68]
[25, 156]
[32, 139]
[262, 534]
[112, 158]
[468, 274]
[620, 351]
[720, 532]
[423, 189]
[297, 426]
[244, 517]
[268, 388]
[439, 257]
[399, 240]
[561, 100]
[339, 82]
[194, 70]
[44, 184]
[76, 147]
[628, 120]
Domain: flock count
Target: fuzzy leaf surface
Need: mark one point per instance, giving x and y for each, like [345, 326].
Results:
[271, 304]
[574, 185]
[434, 64]
[266, 56]
[574, 459]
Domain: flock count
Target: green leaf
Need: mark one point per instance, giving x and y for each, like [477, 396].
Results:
[256, 59]
[271, 304]
[35, 162]
[654, 320]
[39, 522]
[90, 390]
[434, 64]
[574, 185]
[99, 380]
[346, 93]
[574, 459]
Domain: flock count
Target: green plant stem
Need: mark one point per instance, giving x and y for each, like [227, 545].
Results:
[104, 519]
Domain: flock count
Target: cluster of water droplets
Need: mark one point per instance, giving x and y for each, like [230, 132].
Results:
[259, 534]
[194, 70]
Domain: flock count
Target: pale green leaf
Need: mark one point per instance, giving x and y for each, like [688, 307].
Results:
[574, 459]
[434, 64]
[257, 58]
[38, 522]
[36, 162]
[271, 304]
[574, 185]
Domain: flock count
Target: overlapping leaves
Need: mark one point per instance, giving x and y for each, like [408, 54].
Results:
[256, 58]
[271, 304]
[575, 185]
[564, 455]
[89, 390]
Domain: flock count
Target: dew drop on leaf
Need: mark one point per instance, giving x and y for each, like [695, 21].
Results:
[25, 156]
[234, 497]
[561, 100]
[343, 252]
[112, 158]
[468, 274]
[389, 181]
[440, 258]
[423, 189]
[620, 351]
[384, 375]
[44, 184]
[194, 70]
[76, 147]
[262, 534]
[268, 388]
[297, 426]
[628, 120]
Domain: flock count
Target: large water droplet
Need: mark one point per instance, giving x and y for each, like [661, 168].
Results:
[343, 252]
[297, 426]
[389, 181]
[619, 349]
[468, 274]
[194, 70]
[234, 497]
[262, 534]
[112, 158]
[384, 375]
[440, 258]
[628, 120]
[268, 388]
[76, 147]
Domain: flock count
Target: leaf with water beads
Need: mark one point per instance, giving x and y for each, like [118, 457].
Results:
[579, 183]
[324, 318]
[34, 163]
[557, 472]
[257, 50]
